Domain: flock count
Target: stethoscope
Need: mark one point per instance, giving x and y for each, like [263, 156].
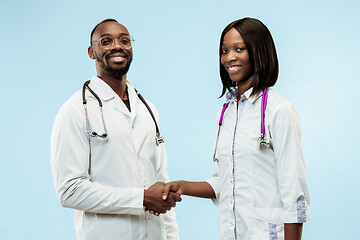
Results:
[158, 138]
[264, 142]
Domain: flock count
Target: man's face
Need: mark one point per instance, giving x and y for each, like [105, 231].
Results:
[116, 60]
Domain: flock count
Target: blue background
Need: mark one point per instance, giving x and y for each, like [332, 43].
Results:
[43, 49]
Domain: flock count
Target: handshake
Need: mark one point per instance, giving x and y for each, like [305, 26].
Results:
[161, 197]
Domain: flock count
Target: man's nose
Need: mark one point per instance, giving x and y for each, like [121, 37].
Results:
[117, 45]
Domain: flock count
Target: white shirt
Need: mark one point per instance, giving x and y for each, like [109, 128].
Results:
[104, 179]
[258, 190]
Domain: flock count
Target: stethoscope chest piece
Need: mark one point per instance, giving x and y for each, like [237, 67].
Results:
[264, 142]
[159, 139]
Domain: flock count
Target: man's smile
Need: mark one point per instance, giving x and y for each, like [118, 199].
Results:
[117, 57]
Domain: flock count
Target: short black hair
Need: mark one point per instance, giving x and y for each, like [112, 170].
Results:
[262, 53]
[106, 20]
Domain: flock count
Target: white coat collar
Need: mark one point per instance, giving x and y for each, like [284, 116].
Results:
[105, 92]
[101, 88]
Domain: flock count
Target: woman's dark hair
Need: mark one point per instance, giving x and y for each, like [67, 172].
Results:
[262, 53]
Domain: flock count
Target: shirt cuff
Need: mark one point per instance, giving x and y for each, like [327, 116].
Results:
[300, 214]
[136, 201]
[215, 186]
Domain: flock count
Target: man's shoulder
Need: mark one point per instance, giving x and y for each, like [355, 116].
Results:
[72, 105]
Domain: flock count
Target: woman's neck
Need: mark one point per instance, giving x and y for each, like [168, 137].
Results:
[243, 87]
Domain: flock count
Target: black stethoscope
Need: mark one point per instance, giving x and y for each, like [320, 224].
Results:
[158, 138]
[264, 142]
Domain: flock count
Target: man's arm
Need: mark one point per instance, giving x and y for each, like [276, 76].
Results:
[171, 226]
[70, 163]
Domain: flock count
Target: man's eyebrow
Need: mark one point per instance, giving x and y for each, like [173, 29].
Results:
[108, 34]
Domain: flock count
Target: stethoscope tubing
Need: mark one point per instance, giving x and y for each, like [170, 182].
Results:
[263, 109]
[264, 142]
[93, 134]
[158, 138]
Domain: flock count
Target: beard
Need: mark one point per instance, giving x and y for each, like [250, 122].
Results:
[117, 71]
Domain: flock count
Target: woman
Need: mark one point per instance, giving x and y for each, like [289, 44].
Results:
[259, 184]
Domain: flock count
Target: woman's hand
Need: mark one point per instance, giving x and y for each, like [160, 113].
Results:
[174, 186]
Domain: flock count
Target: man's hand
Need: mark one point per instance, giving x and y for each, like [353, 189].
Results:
[153, 199]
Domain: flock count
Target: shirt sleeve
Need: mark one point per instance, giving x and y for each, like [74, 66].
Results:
[70, 160]
[171, 226]
[215, 184]
[214, 181]
[285, 131]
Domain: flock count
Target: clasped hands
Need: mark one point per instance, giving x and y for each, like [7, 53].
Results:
[161, 197]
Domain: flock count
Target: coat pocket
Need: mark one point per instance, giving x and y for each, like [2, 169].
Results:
[267, 223]
[91, 227]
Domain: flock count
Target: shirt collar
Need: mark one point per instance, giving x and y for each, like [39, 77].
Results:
[233, 94]
[252, 98]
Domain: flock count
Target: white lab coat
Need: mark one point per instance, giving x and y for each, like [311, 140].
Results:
[257, 191]
[104, 179]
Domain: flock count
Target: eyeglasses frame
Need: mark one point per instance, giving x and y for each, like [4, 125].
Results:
[132, 40]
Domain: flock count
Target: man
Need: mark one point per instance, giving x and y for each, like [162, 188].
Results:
[106, 161]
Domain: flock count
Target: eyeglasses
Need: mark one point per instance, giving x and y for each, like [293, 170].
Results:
[108, 42]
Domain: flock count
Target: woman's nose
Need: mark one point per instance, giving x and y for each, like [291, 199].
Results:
[231, 56]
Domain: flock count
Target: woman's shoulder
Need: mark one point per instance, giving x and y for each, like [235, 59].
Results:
[275, 98]
[279, 106]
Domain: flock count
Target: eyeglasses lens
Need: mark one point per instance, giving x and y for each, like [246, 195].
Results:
[108, 42]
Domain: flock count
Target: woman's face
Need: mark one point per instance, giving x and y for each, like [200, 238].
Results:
[235, 57]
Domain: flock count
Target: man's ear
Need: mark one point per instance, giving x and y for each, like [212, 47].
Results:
[91, 52]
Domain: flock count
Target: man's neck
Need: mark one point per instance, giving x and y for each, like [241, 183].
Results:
[118, 85]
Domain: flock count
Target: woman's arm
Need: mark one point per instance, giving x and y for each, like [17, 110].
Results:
[293, 231]
[194, 189]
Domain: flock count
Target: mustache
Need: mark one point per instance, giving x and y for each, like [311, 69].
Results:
[122, 52]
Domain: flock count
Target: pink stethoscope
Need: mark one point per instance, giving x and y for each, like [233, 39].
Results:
[264, 142]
